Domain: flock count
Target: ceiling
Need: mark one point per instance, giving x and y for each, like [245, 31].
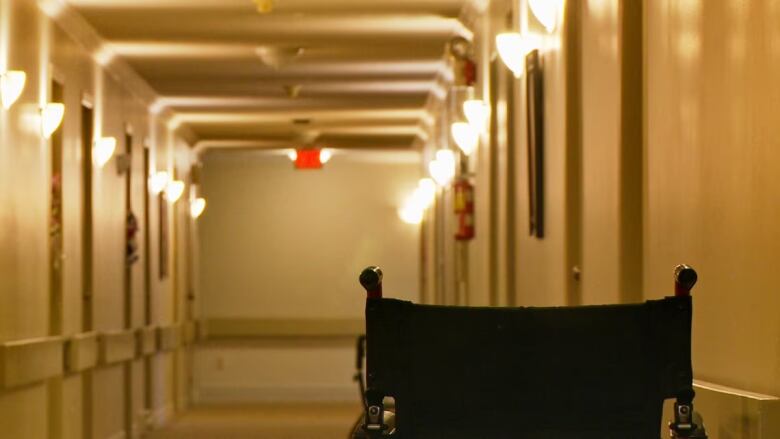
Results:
[363, 70]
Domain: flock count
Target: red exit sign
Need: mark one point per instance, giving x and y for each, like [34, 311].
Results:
[308, 159]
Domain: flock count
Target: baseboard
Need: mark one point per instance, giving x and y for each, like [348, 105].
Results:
[734, 413]
[265, 394]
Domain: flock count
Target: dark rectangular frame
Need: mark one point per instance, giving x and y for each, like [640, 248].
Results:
[535, 129]
[163, 237]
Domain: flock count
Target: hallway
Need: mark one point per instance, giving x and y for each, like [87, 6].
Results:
[274, 421]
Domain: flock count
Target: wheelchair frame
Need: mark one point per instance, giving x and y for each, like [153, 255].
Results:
[686, 424]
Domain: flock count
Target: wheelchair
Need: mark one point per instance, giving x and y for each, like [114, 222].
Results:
[582, 372]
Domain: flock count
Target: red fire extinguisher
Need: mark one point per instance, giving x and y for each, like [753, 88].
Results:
[464, 209]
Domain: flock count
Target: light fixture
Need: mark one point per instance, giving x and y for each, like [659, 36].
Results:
[426, 192]
[513, 47]
[174, 190]
[51, 118]
[278, 57]
[419, 199]
[197, 206]
[11, 86]
[422, 198]
[466, 137]
[292, 90]
[546, 11]
[410, 215]
[442, 169]
[158, 181]
[476, 112]
[292, 155]
[264, 6]
[325, 155]
[102, 150]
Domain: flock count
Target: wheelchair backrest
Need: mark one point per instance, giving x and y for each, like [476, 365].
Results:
[570, 372]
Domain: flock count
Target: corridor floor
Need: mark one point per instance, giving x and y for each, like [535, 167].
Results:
[280, 421]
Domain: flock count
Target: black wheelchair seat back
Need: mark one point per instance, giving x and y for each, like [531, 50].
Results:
[569, 372]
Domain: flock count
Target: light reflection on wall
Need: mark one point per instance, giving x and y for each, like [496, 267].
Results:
[605, 12]
[689, 29]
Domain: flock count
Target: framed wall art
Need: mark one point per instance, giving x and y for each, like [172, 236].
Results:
[535, 129]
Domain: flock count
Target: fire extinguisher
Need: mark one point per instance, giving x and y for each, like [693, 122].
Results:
[464, 209]
[464, 67]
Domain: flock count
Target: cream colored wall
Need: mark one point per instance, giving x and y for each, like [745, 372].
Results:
[601, 151]
[277, 244]
[713, 169]
[281, 243]
[32, 42]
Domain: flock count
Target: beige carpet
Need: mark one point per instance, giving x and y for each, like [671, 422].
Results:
[310, 421]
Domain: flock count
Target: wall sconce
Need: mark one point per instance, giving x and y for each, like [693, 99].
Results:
[477, 113]
[102, 150]
[422, 198]
[466, 137]
[546, 11]
[197, 206]
[442, 169]
[264, 6]
[425, 193]
[513, 47]
[174, 190]
[410, 215]
[11, 86]
[51, 118]
[158, 181]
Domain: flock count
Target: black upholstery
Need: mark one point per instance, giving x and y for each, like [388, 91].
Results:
[531, 373]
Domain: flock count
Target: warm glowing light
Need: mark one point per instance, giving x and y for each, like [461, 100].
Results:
[197, 206]
[422, 198]
[546, 11]
[51, 118]
[264, 6]
[442, 169]
[466, 137]
[158, 181]
[410, 215]
[174, 190]
[513, 47]
[447, 157]
[477, 113]
[292, 155]
[104, 55]
[325, 155]
[426, 191]
[102, 150]
[11, 87]
[278, 57]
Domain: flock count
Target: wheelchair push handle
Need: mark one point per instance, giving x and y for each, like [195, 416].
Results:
[685, 278]
[371, 279]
